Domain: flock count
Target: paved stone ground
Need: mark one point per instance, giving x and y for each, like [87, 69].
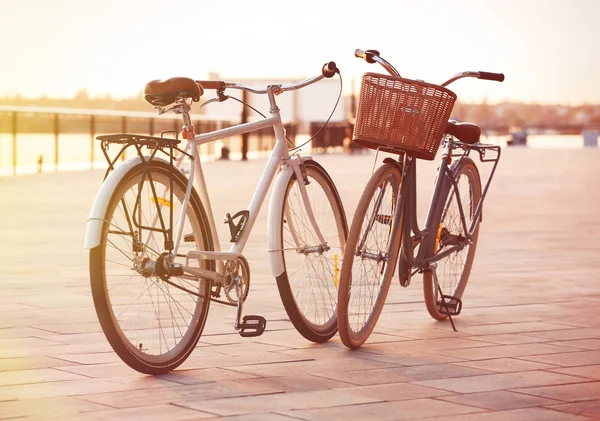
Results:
[528, 346]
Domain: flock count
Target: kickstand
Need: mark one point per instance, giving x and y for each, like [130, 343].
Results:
[445, 305]
[447, 308]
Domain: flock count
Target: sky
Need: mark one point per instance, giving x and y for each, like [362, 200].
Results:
[548, 49]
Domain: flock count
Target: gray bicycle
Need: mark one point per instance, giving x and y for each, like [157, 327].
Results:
[409, 118]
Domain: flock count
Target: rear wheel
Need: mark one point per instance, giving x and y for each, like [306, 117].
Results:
[151, 318]
[370, 257]
[453, 270]
[308, 285]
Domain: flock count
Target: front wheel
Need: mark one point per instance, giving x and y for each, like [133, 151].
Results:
[453, 270]
[308, 284]
[370, 256]
[151, 318]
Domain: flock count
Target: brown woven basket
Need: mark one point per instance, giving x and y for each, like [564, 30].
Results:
[402, 115]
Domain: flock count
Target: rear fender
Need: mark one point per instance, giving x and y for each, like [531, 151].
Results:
[95, 220]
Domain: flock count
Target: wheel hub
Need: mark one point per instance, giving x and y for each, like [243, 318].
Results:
[320, 249]
[162, 266]
[149, 268]
[146, 267]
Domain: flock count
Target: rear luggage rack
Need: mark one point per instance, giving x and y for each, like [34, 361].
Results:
[163, 144]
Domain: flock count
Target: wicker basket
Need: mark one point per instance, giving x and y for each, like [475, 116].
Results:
[402, 115]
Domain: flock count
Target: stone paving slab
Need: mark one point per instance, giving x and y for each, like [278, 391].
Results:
[528, 345]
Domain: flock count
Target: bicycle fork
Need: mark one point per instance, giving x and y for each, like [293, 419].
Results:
[302, 179]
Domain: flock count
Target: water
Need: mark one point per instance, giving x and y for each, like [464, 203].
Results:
[74, 150]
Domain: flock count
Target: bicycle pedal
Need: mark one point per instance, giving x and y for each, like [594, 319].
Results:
[450, 306]
[252, 326]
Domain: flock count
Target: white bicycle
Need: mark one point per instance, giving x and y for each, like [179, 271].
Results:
[155, 257]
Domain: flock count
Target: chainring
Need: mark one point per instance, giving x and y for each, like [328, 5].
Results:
[242, 269]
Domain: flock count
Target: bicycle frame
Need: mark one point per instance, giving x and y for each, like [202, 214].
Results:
[279, 158]
[407, 203]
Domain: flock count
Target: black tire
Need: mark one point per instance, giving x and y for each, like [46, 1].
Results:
[370, 257]
[139, 331]
[314, 315]
[404, 269]
[453, 271]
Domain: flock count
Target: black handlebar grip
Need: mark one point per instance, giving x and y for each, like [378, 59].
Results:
[212, 84]
[329, 69]
[366, 55]
[492, 76]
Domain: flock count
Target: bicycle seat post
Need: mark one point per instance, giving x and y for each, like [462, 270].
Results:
[184, 109]
[187, 122]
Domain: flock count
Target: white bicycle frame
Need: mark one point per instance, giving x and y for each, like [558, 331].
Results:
[279, 161]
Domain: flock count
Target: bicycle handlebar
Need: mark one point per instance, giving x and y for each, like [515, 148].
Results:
[372, 56]
[328, 70]
[479, 75]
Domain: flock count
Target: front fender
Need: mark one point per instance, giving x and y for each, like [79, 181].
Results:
[274, 239]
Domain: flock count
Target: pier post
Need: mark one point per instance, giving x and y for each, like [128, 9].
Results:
[211, 145]
[123, 130]
[92, 133]
[590, 138]
[14, 142]
[56, 133]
